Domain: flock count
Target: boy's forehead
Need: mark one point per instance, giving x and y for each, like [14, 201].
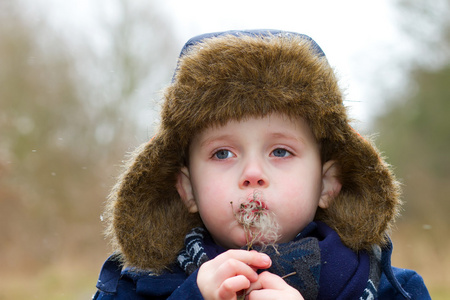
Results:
[288, 124]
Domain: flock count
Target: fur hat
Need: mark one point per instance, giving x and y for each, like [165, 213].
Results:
[231, 76]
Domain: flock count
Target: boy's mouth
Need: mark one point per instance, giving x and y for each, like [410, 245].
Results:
[259, 224]
[250, 212]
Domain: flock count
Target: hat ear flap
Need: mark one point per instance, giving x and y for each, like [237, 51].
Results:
[368, 203]
[147, 221]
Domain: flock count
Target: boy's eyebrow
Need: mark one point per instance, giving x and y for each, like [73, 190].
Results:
[274, 135]
[288, 137]
[214, 138]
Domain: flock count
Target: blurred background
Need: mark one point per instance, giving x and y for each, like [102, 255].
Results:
[80, 84]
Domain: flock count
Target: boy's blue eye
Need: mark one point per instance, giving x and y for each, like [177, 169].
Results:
[223, 154]
[281, 152]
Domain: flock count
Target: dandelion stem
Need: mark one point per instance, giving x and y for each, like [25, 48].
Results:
[287, 275]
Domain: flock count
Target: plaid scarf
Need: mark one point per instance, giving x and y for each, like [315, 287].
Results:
[319, 268]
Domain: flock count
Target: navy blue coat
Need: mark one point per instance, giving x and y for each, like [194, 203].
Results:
[115, 283]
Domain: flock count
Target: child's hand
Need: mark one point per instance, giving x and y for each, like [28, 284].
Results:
[231, 272]
[271, 286]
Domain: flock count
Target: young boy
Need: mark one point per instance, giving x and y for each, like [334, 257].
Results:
[254, 151]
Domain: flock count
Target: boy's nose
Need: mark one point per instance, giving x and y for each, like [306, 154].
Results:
[253, 176]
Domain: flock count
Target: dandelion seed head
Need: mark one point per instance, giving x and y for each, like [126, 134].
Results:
[259, 223]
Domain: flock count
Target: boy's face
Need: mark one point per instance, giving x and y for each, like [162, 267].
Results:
[274, 155]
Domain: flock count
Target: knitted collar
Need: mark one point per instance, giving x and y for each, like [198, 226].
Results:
[323, 267]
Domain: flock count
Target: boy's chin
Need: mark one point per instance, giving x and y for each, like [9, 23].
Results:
[235, 240]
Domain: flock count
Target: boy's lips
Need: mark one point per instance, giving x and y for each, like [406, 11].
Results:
[252, 209]
[259, 224]
[253, 206]
[256, 197]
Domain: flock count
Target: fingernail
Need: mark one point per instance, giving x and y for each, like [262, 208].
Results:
[266, 259]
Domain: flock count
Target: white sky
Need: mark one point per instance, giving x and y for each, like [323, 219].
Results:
[357, 36]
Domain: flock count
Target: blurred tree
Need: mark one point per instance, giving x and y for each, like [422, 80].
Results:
[67, 115]
[415, 130]
[415, 136]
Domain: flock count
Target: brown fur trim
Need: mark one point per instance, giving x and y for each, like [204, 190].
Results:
[233, 78]
[147, 222]
[364, 211]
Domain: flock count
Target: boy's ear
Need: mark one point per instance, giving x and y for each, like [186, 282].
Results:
[331, 186]
[184, 188]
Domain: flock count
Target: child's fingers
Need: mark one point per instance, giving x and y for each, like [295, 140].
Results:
[232, 285]
[233, 267]
[251, 258]
[229, 273]
[271, 286]
[267, 280]
[274, 295]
